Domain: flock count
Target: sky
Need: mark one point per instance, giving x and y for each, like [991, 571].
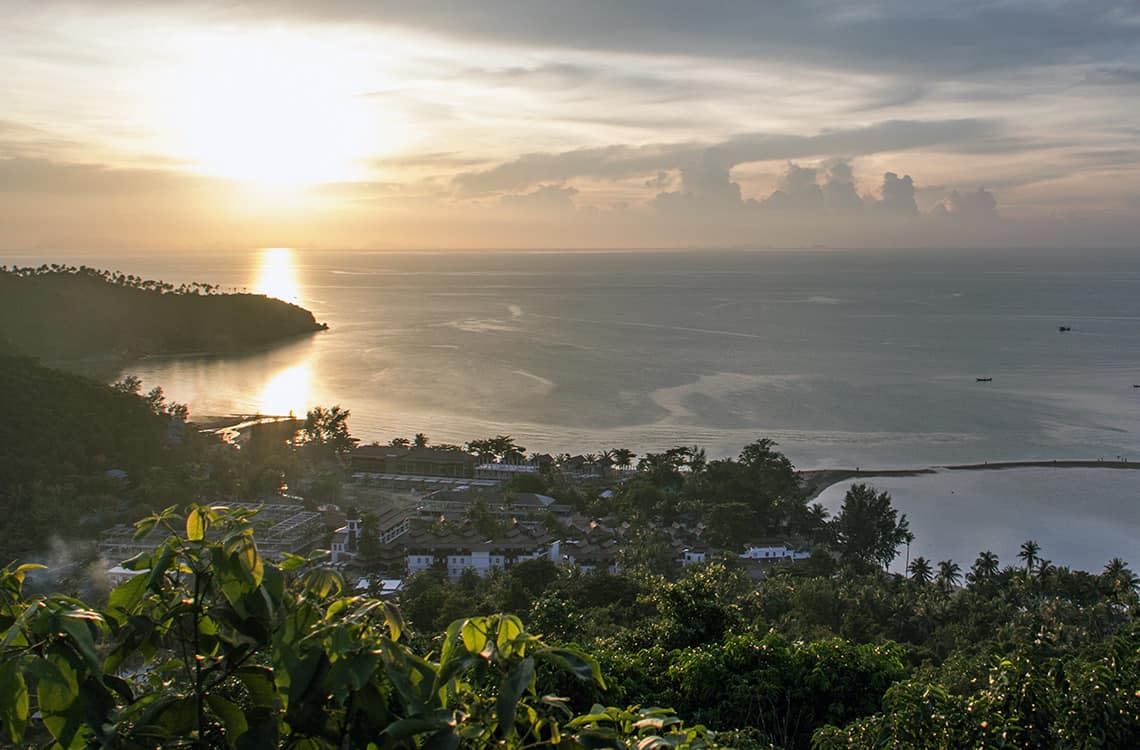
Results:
[347, 124]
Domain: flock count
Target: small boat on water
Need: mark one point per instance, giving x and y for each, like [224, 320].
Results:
[987, 380]
[1064, 329]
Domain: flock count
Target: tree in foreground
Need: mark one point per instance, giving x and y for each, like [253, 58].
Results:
[209, 645]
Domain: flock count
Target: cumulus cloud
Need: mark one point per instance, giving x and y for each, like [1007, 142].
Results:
[897, 195]
[978, 205]
[718, 158]
[839, 193]
[796, 192]
[706, 186]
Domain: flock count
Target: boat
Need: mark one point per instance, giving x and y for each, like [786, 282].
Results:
[986, 380]
[1063, 329]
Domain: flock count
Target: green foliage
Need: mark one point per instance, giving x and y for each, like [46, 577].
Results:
[78, 456]
[210, 645]
[868, 531]
[1030, 699]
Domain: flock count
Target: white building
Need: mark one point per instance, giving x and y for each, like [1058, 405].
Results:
[482, 561]
[503, 472]
[693, 556]
[774, 553]
[345, 540]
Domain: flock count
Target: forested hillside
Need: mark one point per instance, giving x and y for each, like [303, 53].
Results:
[77, 456]
[63, 313]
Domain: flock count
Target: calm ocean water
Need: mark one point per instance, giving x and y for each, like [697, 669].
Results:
[849, 358]
[852, 358]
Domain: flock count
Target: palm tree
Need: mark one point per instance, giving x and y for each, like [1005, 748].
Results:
[984, 568]
[623, 457]
[420, 440]
[920, 570]
[815, 519]
[1120, 575]
[1029, 553]
[949, 575]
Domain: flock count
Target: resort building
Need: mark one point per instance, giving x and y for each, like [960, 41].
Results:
[279, 528]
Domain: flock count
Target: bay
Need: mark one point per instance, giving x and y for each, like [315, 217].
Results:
[845, 358]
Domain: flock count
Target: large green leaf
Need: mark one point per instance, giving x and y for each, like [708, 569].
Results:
[126, 596]
[57, 693]
[581, 665]
[324, 582]
[259, 682]
[510, 628]
[196, 523]
[231, 715]
[76, 625]
[514, 684]
[245, 549]
[474, 634]
[13, 701]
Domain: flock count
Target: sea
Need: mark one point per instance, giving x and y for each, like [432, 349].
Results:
[878, 359]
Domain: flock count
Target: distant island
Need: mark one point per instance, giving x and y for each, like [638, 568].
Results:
[61, 313]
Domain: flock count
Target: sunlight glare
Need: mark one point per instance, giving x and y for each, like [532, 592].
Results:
[277, 275]
[276, 109]
[289, 391]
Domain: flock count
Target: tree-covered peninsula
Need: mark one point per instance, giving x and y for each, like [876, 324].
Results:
[57, 312]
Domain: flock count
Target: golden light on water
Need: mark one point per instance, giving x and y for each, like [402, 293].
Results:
[289, 391]
[277, 275]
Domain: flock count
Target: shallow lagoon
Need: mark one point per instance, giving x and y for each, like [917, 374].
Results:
[1081, 517]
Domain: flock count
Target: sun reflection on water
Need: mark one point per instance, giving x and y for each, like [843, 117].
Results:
[277, 275]
[289, 391]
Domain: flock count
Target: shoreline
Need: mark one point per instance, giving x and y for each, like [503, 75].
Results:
[818, 480]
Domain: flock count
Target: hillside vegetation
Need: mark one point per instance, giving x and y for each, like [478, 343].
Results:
[64, 313]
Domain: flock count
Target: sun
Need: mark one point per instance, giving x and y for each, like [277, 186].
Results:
[275, 110]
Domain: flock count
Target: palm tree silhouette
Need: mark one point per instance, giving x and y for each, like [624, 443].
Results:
[984, 569]
[1029, 553]
[622, 457]
[949, 575]
[920, 570]
[1120, 575]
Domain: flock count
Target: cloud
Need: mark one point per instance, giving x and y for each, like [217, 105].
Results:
[704, 163]
[839, 193]
[884, 36]
[897, 195]
[28, 175]
[979, 205]
[544, 199]
[435, 159]
[796, 192]
[1114, 76]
